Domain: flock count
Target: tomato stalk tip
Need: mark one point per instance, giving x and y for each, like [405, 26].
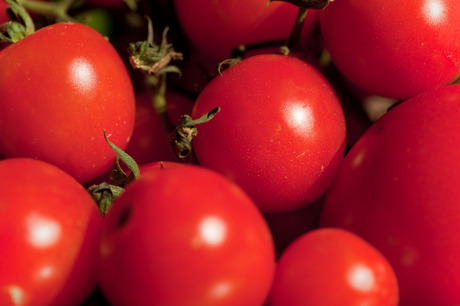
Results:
[187, 130]
[154, 59]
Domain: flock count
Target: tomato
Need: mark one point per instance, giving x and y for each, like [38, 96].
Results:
[333, 267]
[216, 28]
[99, 19]
[177, 104]
[57, 100]
[149, 141]
[280, 133]
[287, 226]
[49, 229]
[398, 189]
[185, 235]
[3, 15]
[395, 49]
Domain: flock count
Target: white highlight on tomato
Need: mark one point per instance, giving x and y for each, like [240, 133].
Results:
[361, 278]
[221, 290]
[213, 230]
[82, 75]
[45, 272]
[300, 118]
[434, 11]
[42, 231]
[17, 295]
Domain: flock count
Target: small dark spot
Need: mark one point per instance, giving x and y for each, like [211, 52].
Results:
[124, 217]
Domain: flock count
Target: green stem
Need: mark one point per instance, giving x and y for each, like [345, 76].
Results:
[56, 10]
[159, 89]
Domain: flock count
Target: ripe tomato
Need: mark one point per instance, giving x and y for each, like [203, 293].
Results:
[333, 267]
[3, 15]
[184, 235]
[398, 189]
[394, 48]
[216, 27]
[280, 133]
[177, 104]
[57, 100]
[49, 229]
[287, 226]
[149, 141]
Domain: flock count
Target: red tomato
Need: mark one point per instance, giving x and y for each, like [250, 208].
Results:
[398, 189]
[287, 226]
[149, 141]
[49, 230]
[177, 104]
[218, 27]
[394, 48]
[57, 100]
[3, 15]
[280, 133]
[333, 267]
[184, 235]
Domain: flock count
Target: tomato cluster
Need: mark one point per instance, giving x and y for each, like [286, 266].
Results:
[212, 152]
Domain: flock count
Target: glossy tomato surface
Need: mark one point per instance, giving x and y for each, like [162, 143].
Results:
[60, 88]
[49, 232]
[216, 28]
[280, 132]
[184, 235]
[332, 266]
[398, 189]
[394, 48]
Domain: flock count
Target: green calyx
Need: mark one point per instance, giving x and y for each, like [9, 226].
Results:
[18, 28]
[187, 130]
[105, 194]
[154, 59]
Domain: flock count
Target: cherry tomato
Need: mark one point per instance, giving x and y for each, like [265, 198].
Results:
[216, 28]
[149, 141]
[177, 104]
[49, 229]
[287, 226]
[3, 15]
[398, 189]
[280, 133]
[333, 267]
[185, 235]
[99, 19]
[393, 48]
[57, 100]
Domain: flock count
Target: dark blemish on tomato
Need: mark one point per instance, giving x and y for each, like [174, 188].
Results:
[124, 217]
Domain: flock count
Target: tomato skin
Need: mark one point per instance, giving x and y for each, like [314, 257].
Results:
[280, 133]
[3, 15]
[169, 240]
[57, 100]
[177, 105]
[216, 28]
[149, 141]
[50, 229]
[332, 266]
[398, 189]
[384, 56]
[287, 226]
